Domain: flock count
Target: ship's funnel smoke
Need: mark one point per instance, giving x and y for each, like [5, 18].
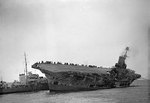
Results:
[127, 48]
[124, 53]
[134, 52]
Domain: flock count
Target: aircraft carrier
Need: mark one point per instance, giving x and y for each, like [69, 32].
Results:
[74, 77]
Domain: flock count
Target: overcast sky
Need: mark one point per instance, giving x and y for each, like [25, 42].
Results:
[79, 31]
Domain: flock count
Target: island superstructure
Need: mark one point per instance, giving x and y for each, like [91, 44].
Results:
[74, 77]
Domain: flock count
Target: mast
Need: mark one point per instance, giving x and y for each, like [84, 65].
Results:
[126, 50]
[26, 70]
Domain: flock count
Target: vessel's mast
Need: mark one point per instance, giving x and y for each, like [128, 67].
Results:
[26, 70]
[126, 50]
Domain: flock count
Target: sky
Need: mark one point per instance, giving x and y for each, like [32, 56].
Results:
[79, 31]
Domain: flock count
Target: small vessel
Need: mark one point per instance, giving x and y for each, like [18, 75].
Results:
[28, 82]
[17, 88]
[74, 77]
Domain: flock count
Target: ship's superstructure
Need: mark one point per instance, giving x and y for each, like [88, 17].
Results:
[74, 77]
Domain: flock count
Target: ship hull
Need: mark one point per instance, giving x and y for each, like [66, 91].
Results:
[65, 78]
[65, 88]
[70, 81]
[60, 88]
[15, 90]
[27, 88]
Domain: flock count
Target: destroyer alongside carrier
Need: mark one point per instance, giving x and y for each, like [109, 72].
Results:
[74, 77]
[28, 82]
[34, 83]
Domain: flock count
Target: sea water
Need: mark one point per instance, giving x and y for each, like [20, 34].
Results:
[137, 93]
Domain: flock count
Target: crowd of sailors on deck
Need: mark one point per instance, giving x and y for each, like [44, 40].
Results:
[72, 64]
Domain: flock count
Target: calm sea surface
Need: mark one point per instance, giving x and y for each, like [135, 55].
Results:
[138, 93]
